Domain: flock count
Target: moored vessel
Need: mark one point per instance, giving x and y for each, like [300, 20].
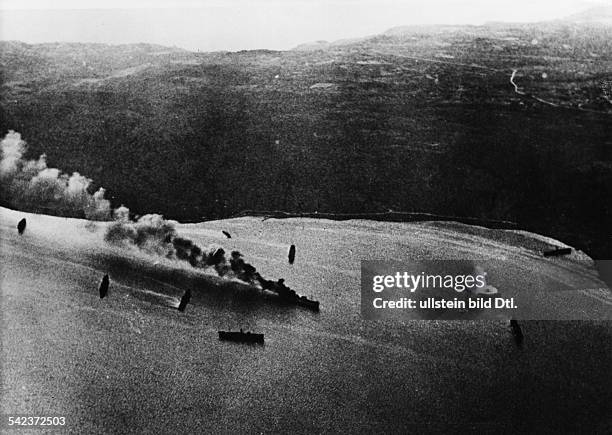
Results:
[241, 336]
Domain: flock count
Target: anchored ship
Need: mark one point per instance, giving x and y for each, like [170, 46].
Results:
[241, 337]
[557, 252]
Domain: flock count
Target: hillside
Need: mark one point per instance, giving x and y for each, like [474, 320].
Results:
[132, 360]
[598, 15]
[416, 119]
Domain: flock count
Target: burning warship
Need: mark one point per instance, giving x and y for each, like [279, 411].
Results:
[276, 289]
[154, 231]
[286, 294]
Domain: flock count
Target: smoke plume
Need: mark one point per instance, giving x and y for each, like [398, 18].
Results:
[153, 234]
[32, 186]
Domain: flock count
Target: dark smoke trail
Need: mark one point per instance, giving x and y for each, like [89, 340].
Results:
[242, 269]
[32, 186]
[154, 234]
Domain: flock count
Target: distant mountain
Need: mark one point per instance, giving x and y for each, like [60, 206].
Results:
[596, 15]
[323, 45]
[316, 45]
[418, 118]
[432, 29]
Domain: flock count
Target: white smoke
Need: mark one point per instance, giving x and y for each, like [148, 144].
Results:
[31, 185]
[13, 149]
[122, 214]
[99, 209]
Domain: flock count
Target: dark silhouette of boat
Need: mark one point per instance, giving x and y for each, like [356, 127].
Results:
[291, 254]
[104, 286]
[241, 337]
[517, 332]
[228, 235]
[557, 252]
[184, 300]
[21, 226]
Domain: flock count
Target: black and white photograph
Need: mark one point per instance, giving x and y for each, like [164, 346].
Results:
[306, 216]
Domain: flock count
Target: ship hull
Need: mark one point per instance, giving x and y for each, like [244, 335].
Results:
[241, 337]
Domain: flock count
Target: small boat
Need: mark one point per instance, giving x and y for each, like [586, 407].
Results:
[21, 226]
[557, 252]
[104, 286]
[291, 254]
[241, 337]
[517, 331]
[184, 300]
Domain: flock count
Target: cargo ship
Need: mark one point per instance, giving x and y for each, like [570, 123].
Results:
[241, 337]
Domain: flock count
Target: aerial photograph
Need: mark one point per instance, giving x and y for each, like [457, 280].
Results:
[306, 216]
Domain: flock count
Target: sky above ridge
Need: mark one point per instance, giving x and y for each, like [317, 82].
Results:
[210, 25]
